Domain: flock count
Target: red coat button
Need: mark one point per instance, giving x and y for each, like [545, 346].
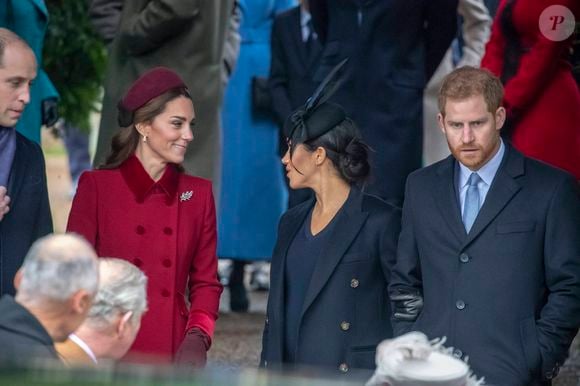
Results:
[166, 263]
[138, 262]
[140, 230]
[165, 293]
[168, 231]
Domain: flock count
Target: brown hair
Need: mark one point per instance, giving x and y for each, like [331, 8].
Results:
[125, 142]
[467, 81]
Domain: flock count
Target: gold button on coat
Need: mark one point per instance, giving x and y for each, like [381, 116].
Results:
[344, 326]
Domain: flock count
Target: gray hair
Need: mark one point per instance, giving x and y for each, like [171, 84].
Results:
[123, 288]
[56, 267]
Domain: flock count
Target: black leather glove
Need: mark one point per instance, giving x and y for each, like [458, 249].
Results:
[407, 305]
[193, 349]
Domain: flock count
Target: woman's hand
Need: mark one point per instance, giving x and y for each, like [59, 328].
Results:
[193, 349]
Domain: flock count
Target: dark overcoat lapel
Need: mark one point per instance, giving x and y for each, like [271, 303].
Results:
[501, 191]
[18, 172]
[343, 234]
[289, 226]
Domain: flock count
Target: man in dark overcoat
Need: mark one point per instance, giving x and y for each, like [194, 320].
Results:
[489, 250]
[24, 207]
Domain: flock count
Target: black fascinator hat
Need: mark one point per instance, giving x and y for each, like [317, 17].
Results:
[317, 116]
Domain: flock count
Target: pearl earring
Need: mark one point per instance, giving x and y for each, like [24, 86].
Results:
[144, 138]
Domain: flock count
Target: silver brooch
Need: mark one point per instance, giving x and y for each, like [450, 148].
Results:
[186, 195]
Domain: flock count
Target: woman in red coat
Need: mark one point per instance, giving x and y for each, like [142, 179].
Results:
[141, 207]
[541, 95]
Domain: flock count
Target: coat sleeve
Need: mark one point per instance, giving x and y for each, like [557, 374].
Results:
[406, 274]
[476, 31]
[105, 16]
[560, 317]
[440, 29]
[278, 80]
[232, 43]
[43, 224]
[83, 214]
[156, 23]
[204, 286]
[389, 238]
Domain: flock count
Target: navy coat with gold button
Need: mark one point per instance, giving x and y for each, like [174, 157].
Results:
[346, 310]
[167, 229]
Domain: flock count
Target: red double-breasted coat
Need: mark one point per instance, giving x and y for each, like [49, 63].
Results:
[166, 228]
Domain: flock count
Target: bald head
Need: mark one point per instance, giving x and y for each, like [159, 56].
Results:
[56, 267]
[8, 38]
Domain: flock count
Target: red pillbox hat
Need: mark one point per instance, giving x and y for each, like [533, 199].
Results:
[150, 85]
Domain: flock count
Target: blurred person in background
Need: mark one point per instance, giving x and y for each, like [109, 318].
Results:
[394, 48]
[29, 19]
[252, 196]
[142, 207]
[114, 319]
[328, 303]
[55, 289]
[296, 52]
[542, 98]
[24, 207]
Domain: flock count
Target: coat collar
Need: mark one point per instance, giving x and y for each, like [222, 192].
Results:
[16, 318]
[502, 189]
[141, 184]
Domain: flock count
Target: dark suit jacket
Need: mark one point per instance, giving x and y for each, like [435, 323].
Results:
[22, 337]
[349, 284]
[508, 293]
[292, 68]
[29, 217]
[393, 53]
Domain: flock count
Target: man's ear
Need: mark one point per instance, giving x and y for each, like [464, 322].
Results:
[81, 302]
[441, 121]
[500, 117]
[18, 279]
[122, 323]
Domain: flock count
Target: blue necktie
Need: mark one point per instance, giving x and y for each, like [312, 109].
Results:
[471, 205]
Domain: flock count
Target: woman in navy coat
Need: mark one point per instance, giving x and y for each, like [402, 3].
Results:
[328, 303]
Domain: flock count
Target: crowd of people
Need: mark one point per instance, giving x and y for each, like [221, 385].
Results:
[479, 248]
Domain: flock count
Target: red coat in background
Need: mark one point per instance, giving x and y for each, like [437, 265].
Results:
[166, 228]
[542, 93]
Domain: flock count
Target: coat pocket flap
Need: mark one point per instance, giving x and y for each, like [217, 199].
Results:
[518, 226]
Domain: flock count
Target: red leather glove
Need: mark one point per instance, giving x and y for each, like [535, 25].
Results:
[193, 349]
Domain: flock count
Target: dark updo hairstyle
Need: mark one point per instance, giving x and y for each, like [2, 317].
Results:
[124, 143]
[345, 148]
